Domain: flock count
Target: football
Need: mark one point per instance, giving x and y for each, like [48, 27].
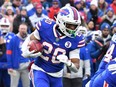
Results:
[35, 45]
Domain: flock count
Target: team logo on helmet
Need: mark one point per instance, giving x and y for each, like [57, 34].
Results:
[64, 12]
[68, 44]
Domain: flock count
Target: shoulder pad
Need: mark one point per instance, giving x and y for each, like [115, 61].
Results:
[81, 40]
[44, 23]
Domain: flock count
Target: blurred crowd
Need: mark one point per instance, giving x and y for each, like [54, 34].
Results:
[18, 18]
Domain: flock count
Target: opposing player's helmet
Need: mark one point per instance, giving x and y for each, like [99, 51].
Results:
[4, 25]
[68, 15]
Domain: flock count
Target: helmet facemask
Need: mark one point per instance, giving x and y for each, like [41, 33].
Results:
[70, 30]
[65, 28]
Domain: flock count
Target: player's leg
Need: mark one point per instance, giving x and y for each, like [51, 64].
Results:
[15, 79]
[55, 82]
[77, 82]
[39, 79]
[92, 79]
[96, 74]
[66, 82]
[25, 78]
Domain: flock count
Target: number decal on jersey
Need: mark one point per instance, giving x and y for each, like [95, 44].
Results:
[114, 38]
[49, 50]
[112, 67]
[48, 21]
[108, 55]
[56, 51]
[105, 84]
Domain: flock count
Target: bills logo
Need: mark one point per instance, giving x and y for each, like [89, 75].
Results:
[68, 44]
[64, 12]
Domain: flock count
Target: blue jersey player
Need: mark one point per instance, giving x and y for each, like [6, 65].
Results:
[110, 54]
[108, 76]
[61, 44]
[5, 37]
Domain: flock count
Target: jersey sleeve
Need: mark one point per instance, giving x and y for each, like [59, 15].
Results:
[38, 25]
[9, 53]
[44, 24]
[81, 42]
[36, 34]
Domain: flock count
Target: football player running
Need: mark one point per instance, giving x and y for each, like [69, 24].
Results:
[61, 45]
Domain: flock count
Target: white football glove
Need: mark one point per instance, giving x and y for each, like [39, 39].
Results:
[64, 59]
[26, 53]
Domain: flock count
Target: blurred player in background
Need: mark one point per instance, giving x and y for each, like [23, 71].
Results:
[17, 64]
[107, 77]
[110, 54]
[61, 45]
[5, 37]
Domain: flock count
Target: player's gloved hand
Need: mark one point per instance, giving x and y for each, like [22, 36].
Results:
[26, 53]
[64, 59]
